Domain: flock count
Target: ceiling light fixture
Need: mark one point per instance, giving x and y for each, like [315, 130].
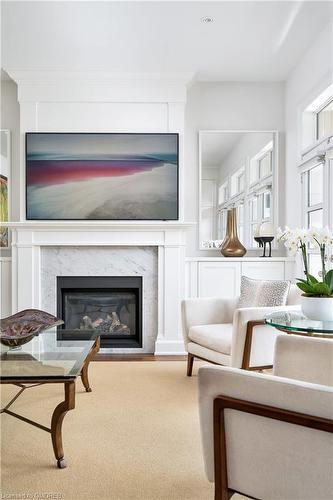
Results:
[207, 19]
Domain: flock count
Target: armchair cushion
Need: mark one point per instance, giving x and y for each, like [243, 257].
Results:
[215, 337]
[207, 354]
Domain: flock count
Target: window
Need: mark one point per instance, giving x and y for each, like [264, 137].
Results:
[317, 121]
[316, 168]
[315, 218]
[241, 182]
[237, 182]
[265, 165]
[223, 193]
[315, 186]
[254, 171]
[266, 201]
[325, 121]
[261, 164]
[240, 221]
[252, 196]
[222, 224]
[313, 189]
[254, 218]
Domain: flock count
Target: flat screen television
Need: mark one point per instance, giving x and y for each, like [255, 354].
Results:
[93, 176]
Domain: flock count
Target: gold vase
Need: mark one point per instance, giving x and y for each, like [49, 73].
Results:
[231, 246]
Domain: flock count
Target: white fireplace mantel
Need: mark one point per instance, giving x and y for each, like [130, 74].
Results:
[169, 237]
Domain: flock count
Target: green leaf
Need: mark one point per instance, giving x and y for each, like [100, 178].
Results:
[302, 281]
[312, 279]
[305, 288]
[322, 289]
[329, 279]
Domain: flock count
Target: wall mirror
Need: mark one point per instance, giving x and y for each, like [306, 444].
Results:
[236, 169]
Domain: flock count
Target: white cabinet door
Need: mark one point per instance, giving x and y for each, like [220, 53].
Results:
[263, 270]
[5, 288]
[219, 279]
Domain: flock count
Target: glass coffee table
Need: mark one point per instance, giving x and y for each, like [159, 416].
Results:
[297, 324]
[49, 359]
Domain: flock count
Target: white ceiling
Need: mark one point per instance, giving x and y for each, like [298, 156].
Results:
[248, 41]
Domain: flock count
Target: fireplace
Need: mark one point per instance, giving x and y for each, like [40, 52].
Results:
[109, 305]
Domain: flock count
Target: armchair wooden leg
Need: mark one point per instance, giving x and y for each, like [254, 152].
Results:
[190, 359]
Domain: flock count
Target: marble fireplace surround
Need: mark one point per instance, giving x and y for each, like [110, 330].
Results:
[155, 251]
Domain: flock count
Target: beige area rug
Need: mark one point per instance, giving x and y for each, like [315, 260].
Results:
[136, 436]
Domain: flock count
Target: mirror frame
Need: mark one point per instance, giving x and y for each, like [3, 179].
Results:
[275, 177]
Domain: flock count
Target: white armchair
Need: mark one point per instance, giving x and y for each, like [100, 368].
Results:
[265, 436]
[304, 358]
[216, 331]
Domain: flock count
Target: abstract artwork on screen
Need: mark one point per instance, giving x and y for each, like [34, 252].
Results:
[102, 176]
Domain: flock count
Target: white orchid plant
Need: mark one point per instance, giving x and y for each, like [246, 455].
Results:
[299, 241]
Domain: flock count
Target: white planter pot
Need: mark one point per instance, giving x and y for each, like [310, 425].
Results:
[317, 308]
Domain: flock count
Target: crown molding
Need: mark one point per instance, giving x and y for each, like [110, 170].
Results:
[96, 77]
[63, 86]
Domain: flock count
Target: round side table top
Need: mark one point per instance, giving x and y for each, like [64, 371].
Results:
[296, 323]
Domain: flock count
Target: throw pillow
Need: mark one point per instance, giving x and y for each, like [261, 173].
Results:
[263, 293]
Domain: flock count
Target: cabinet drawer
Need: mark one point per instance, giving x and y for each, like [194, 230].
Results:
[219, 279]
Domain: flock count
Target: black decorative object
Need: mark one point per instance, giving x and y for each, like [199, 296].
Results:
[263, 241]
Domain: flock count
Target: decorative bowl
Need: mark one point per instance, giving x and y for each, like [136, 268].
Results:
[21, 327]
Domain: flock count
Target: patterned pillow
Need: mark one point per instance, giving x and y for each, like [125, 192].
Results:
[263, 293]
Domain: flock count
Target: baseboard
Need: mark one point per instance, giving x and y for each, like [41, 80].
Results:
[169, 348]
[138, 357]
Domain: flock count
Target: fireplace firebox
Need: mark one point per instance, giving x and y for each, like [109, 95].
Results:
[108, 305]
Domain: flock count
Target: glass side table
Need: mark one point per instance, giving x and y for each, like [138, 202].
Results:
[297, 324]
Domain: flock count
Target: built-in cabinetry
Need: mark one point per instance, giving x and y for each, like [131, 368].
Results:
[210, 277]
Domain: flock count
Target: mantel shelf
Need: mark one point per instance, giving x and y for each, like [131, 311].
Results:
[99, 225]
[275, 258]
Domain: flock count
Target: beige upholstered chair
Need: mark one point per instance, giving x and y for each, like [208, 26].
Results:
[264, 436]
[272, 433]
[304, 358]
[215, 330]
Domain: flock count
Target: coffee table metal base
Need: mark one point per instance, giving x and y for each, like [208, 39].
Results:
[61, 409]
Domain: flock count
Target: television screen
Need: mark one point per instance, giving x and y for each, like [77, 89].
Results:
[80, 176]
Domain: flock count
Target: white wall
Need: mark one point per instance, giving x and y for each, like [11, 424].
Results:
[310, 77]
[229, 106]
